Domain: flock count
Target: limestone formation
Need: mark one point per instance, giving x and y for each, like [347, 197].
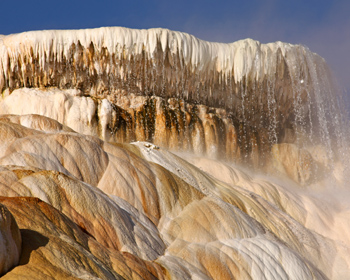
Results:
[232, 101]
[168, 123]
[138, 211]
[102, 174]
[54, 247]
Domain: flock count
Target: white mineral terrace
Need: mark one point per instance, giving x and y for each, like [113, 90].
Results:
[240, 58]
[268, 87]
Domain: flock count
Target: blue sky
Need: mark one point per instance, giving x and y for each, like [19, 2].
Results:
[322, 25]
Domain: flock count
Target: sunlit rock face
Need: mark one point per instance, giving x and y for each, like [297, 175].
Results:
[233, 101]
[136, 211]
[54, 247]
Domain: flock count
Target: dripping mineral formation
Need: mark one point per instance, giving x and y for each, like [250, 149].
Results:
[232, 101]
[88, 188]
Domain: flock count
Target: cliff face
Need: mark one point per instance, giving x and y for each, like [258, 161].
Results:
[262, 94]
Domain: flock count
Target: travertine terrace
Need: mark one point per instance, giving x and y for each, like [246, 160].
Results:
[110, 148]
[233, 101]
[136, 211]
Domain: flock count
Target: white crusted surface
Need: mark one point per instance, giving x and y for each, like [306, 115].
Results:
[240, 57]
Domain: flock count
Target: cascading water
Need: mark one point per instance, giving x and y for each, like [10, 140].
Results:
[271, 93]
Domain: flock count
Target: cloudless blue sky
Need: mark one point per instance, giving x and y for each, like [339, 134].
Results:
[322, 25]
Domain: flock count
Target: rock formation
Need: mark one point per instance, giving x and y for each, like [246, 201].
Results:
[233, 101]
[87, 208]
[91, 187]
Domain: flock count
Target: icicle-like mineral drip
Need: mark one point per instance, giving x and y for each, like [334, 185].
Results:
[273, 93]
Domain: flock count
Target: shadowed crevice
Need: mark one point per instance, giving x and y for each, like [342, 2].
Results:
[31, 241]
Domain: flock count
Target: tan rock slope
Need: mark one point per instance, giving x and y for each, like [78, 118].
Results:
[89, 209]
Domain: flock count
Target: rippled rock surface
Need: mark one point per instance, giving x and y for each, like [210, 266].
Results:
[86, 208]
